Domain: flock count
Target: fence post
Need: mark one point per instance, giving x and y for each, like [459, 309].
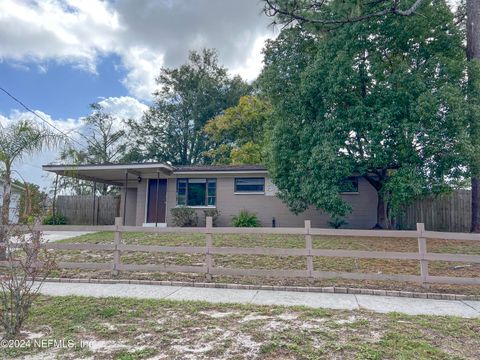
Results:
[117, 242]
[208, 246]
[422, 250]
[308, 247]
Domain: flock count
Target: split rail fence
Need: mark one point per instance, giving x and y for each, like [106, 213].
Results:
[422, 255]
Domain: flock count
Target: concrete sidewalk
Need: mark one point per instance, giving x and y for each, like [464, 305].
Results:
[382, 304]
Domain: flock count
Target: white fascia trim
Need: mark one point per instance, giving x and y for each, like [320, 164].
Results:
[108, 167]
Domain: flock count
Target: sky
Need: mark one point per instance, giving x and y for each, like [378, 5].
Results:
[59, 56]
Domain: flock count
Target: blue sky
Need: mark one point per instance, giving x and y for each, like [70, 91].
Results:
[61, 90]
[58, 56]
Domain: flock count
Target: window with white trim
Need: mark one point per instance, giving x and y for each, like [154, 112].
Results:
[196, 192]
[249, 185]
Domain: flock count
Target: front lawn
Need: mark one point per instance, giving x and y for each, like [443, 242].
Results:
[277, 262]
[118, 328]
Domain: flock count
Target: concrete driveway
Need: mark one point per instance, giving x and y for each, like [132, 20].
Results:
[52, 236]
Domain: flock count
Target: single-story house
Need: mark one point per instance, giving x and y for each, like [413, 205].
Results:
[150, 190]
[14, 201]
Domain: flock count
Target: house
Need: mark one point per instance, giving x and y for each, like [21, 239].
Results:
[150, 190]
[14, 201]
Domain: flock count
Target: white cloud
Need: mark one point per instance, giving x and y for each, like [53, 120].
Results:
[252, 65]
[125, 107]
[143, 66]
[146, 34]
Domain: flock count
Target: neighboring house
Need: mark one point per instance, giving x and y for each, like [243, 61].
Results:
[150, 190]
[14, 201]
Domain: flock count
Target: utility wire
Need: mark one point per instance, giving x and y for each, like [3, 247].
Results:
[42, 118]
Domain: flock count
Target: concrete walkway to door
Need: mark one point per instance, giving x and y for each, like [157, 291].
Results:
[381, 304]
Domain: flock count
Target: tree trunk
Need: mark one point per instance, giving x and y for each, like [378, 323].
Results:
[383, 221]
[473, 54]
[383, 217]
[7, 190]
[5, 216]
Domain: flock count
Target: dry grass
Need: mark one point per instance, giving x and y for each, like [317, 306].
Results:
[128, 329]
[278, 262]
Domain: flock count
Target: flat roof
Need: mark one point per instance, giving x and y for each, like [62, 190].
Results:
[115, 174]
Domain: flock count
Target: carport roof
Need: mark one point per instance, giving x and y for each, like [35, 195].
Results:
[115, 174]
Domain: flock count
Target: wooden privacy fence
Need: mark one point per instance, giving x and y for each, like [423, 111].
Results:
[451, 212]
[89, 210]
[422, 255]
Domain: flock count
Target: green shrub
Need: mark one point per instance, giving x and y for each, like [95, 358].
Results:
[184, 216]
[58, 219]
[213, 213]
[245, 219]
[337, 222]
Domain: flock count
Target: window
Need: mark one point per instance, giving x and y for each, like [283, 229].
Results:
[249, 185]
[197, 192]
[349, 185]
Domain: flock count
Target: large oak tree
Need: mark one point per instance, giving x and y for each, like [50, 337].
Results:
[380, 98]
[188, 96]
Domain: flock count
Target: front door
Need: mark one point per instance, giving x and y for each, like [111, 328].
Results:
[157, 196]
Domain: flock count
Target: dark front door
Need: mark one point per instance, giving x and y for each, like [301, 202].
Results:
[157, 196]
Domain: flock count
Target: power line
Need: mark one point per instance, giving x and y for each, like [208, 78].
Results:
[41, 118]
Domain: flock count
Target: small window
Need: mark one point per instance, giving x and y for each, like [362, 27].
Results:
[349, 185]
[196, 192]
[248, 185]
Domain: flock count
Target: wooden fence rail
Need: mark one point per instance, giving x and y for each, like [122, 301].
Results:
[209, 269]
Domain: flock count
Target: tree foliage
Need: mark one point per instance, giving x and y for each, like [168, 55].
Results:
[337, 12]
[32, 201]
[190, 95]
[106, 143]
[237, 135]
[380, 98]
[18, 140]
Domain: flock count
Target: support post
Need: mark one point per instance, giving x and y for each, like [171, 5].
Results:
[117, 241]
[308, 247]
[93, 210]
[156, 201]
[208, 244]
[422, 250]
[125, 198]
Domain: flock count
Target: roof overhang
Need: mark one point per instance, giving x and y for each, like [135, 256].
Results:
[112, 174]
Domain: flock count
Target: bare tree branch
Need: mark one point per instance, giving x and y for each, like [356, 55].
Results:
[272, 10]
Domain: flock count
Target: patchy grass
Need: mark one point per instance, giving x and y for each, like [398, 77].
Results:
[118, 328]
[278, 262]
